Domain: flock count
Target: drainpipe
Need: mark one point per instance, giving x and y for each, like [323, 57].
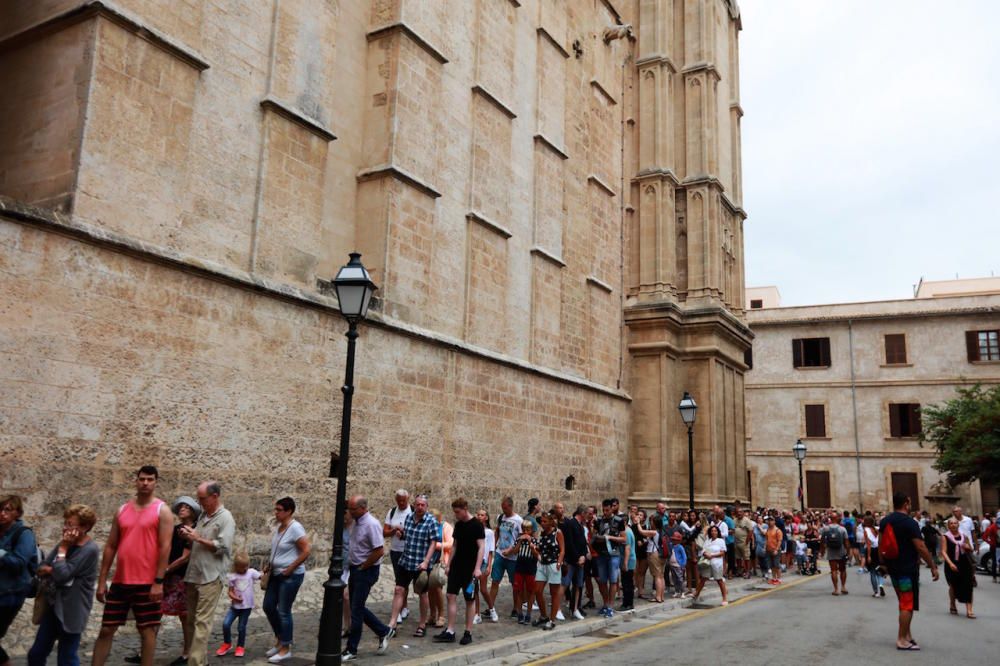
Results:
[854, 407]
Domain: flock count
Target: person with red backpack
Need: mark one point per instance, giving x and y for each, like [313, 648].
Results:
[900, 549]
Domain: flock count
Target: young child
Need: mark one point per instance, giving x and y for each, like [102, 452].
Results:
[678, 562]
[241, 587]
[526, 548]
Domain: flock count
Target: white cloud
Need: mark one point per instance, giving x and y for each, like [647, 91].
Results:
[870, 145]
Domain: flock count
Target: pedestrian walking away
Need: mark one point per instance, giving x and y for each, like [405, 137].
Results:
[835, 539]
[901, 547]
[140, 540]
[208, 567]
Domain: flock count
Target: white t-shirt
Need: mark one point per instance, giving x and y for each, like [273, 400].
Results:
[508, 529]
[490, 545]
[965, 527]
[723, 529]
[872, 537]
[715, 546]
[984, 525]
[284, 550]
[396, 517]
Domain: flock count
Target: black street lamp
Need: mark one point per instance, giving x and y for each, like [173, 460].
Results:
[799, 450]
[354, 288]
[689, 409]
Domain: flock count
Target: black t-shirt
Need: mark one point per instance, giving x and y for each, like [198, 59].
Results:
[526, 562]
[906, 530]
[930, 534]
[466, 534]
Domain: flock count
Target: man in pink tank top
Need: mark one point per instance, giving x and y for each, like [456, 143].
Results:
[140, 538]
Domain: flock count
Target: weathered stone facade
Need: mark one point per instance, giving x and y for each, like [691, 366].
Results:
[853, 392]
[548, 200]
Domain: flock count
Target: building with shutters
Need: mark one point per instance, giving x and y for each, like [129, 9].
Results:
[850, 379]
[547, 192]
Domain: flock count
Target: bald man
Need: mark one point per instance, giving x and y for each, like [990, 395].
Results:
[364, 555]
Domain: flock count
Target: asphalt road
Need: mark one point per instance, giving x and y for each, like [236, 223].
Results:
[805, 625]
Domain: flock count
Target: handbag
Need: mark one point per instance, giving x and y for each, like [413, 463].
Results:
[438, 577]
[41, 604]
[265, 576]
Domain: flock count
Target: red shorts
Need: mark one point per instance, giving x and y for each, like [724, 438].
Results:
[122, 598]
[524, 583]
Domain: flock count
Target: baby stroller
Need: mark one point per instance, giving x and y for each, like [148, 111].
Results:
[807, 557]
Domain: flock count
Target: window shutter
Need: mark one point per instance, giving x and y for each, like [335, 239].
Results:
[815, 421]
[972, 344]
[748, 357]
[824, 351]
[894, 421]
[797, 353]
[914, 415]
[895, 348]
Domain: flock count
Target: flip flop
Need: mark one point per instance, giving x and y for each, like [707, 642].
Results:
[953, 611]
[844, 592]
[420, 632]
[835, 593]
[971, 616]
[913, 647]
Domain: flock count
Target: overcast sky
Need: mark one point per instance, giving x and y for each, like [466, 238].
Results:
[871, 145]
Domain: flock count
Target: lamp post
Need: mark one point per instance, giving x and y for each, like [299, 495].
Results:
[688, 409]
[354, 288]
[799, 450]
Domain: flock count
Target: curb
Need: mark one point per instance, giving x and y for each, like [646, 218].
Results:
[506, 647]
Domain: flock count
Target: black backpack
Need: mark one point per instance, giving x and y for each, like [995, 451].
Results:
[33, 561]
[834, 539]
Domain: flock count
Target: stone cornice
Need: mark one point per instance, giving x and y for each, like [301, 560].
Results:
[495, 227]
[542, 253]
[860, 316]
[871, 383]
[551, 145]
[737, 107]
[599, 283]
[550, 38]
[114, 14]
[596, 180]
[53, 222]
[886, 454]
[731, 205]
[656, 59]
[400, 174]
[655, 312]
[478, 89]
[596, 85]
[290, 113]
[699, 67]
[656, 173]
[415, 37]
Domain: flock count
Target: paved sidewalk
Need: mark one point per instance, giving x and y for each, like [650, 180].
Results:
[490, 640]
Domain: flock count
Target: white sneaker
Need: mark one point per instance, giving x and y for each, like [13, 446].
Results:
[560, 616]
[477, 619]
[577, 615]
[271, 652]
[493, 615]
[277, 658]
[403, 614]
[534, 606]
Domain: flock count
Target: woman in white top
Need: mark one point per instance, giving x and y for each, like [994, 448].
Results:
[869, 550]
[435, 593]
[714, 550]
[484, 578]
[289, 549]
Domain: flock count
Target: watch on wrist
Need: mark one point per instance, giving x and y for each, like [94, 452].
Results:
[158, 581]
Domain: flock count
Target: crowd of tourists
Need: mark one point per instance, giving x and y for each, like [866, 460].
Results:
[178, 559]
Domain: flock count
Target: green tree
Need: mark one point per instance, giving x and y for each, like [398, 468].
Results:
[966, 433]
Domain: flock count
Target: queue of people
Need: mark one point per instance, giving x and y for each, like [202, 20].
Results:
[178, 559]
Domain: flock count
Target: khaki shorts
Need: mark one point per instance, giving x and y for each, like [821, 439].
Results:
[655, 565]
[743, 551]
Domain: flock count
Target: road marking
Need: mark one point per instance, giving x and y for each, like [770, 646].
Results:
[666, 623]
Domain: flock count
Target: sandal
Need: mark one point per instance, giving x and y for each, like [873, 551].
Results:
[971, 616]
[440, 623]
[420, 632]
[953, 611]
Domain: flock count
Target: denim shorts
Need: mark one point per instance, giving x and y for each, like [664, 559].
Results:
[573, 575]
[502, 565]
[609, 568]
